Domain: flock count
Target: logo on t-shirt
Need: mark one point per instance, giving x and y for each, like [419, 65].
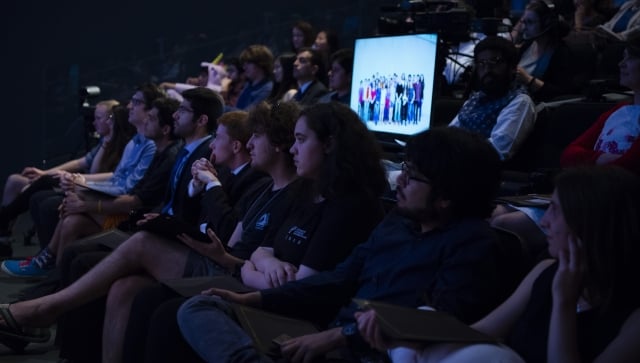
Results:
[296, 235]
[262, 222]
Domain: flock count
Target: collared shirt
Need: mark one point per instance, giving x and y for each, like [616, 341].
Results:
[136, 158]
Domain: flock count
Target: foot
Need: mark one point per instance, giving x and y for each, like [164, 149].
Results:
[25, 268]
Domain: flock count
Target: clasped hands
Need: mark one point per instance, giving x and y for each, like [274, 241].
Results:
[203, 173]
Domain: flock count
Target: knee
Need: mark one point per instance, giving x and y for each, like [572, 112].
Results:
[16, 182]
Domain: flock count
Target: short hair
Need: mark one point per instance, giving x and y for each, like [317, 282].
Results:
[498, 44]
[344, 57]
[353, 163]
[601, 206]
[316, 60]
[237, 126]
[277, 122]
[166, 108]
[205, 101]
[307, 32]
[150, 92]
[260, 55]
[462, 167]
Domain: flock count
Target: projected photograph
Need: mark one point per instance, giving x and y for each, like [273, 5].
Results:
[392, 84]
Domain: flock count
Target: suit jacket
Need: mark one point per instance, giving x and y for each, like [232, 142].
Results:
[223, 206]
[312, 94]
[185, 207]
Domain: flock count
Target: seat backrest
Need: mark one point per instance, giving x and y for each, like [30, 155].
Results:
[516, 259]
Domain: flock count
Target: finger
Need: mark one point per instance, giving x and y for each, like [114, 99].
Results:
[212, 235]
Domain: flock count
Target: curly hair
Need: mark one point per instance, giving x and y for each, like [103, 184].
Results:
[601, 206]
[166, 108]
[277, 122]
[353, 163]
[462, 167]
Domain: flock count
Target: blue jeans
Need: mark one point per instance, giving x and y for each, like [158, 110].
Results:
[208, 324]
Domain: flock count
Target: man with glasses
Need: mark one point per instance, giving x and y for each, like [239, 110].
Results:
[497, 108]
[435, 249]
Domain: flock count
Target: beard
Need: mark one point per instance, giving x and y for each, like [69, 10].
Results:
[427, 213]
[495, 85]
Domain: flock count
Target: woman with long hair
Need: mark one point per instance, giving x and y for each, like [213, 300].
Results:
[285, 86]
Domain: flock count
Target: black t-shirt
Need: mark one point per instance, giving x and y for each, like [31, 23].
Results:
[320, 235]
[263, 215]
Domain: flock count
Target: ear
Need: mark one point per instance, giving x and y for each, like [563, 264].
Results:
[443, 204]
[236, 146]
[315, 69]
[166, 130]
[203, 120]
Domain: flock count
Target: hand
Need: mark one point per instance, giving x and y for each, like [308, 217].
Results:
[214, 250]
[278, 272]
[146, 218]
[73, 204]
[32, 173]
[370, 330]
[567, 282]
[523, 76]
[69, 181]
[248, 299]
[307, 348]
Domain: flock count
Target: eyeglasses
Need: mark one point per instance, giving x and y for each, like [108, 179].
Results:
[488, 62]
[137, 102]
[409, 174]
[184, 109]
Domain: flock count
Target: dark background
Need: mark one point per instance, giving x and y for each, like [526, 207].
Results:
[49, 50]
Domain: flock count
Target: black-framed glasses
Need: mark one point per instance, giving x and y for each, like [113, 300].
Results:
[136, 101]
[488, 62]
[409, 174]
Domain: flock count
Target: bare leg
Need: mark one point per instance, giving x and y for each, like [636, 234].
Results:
[13, 187]
[119, 301]
[143, 253]
[69, 230]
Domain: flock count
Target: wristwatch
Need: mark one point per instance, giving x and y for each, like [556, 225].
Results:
[350, 331]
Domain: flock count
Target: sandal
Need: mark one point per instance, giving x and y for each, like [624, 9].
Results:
[16, 337]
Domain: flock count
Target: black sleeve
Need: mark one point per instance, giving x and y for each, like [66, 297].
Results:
[151, 188]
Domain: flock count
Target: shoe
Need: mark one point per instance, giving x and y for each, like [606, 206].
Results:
[25, 268]
[16, 337]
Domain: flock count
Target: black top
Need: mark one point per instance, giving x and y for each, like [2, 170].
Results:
[150, 189]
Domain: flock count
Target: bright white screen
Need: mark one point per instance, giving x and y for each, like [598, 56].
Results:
[392, 84]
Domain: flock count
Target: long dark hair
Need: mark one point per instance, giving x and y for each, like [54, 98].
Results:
[288, 82]
[122, 132]
[353, 162]
[601, 206]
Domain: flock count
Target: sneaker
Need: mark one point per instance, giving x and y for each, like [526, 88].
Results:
[25, 268]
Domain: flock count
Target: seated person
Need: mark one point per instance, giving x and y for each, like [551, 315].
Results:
[82, 216]
[497, 108]
[285, 86]
[110, 123]
[257, 62]
[581, 305]
[340, 72]
[309, 72]
[544, 65]
[234, 83]
[613, 139]
[212, 76]
[435, 246]
[624, 24]
[588, 14]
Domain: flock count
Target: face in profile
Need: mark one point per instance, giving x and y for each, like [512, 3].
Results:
[297, 38]
[530, 24]
[152, 128]
[555, 227]
[183, 120]
[103, 120]
[321, 42]
[277, 70]
[414, 195]
[222, 146]
[136, 107]
[308, 151]
[630, 71]
[261, 150]
[339, 79]
[492, 72]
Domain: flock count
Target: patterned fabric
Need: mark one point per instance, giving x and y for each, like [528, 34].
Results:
[620, 131]
[480, 112]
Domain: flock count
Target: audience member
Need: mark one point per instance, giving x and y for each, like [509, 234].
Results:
[234, 83]
[624, 24]
[436, 246]
[257, 62]
[212, 76]
[340, 72]
[110, 123]
[326, 44]
[308, 70]
[497, 108]
[579, 306]
[285, 86]
[82, 216]
[545, 60]
[302, 36]
[587, 15]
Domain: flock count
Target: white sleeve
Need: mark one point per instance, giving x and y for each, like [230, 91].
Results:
[515, 122]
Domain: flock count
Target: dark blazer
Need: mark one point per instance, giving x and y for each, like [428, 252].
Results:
[312, 94]
[223, 206]
[185, 207]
